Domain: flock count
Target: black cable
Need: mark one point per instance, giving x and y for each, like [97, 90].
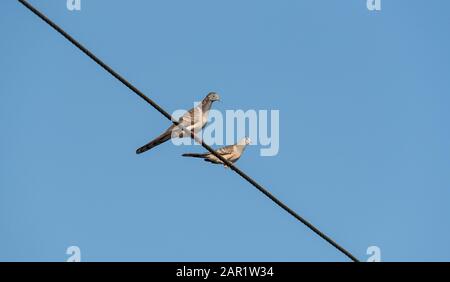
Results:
[168, 116]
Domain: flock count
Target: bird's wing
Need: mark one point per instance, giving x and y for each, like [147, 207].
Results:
[191, 116]
[213, 159]
[226, 150]
[232, 153]
[192, 120]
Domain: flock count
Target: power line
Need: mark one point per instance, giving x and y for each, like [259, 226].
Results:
[197, 139]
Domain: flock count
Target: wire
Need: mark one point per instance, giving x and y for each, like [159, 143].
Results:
[197, 139]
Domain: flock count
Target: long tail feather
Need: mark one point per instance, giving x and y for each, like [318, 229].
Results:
[192, 155]
[213, 161]
[159, 140]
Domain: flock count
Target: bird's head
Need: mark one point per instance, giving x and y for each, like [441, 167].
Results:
[212, 96]
[245, 141]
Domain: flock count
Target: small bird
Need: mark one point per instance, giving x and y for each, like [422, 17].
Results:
[193, 120]
[231, 153]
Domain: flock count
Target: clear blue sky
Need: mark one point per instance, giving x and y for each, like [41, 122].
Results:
[364, 107]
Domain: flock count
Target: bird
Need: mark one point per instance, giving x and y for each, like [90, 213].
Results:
[231, 153]
[193, 120]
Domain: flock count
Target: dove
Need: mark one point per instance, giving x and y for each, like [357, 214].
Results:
[231, 153]
[193, 120]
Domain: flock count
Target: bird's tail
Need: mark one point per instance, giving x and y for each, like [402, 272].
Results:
[159, 140]
[193, 155]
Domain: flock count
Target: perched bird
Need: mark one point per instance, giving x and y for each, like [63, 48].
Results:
[231, 153]
[193, 120]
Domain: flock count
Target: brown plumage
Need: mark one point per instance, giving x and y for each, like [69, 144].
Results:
[231, 153]
[195, 119]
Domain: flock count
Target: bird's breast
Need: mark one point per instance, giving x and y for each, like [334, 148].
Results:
[205, 118]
